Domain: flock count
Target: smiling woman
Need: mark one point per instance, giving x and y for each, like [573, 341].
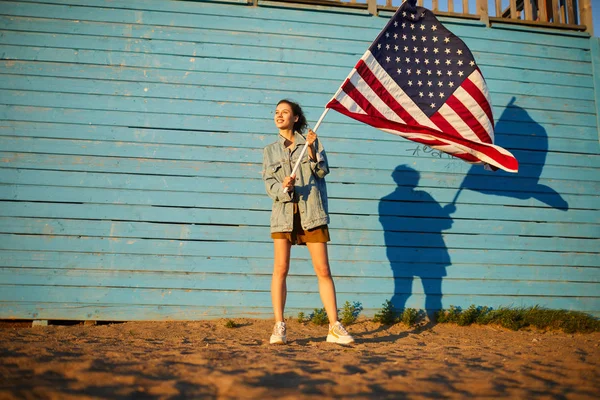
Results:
[299, 213]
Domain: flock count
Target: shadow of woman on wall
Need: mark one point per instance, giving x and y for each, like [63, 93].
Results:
[413, 222]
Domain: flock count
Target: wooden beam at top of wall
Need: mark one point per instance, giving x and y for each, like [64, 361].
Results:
[585, 13]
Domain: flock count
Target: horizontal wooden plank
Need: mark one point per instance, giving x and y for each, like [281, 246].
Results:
[242, 201]
[542, 35]
[262, 123]
[479, 179]
[333, 74]
[303, 300]
[249, 21]
[225, 109]
[540, 108]
[182, 63]
[241, 155]
[194, 78]
[173, 215]
[245, 249]
[170, 97]
[57, 311]
[133, 312]
[402, 192]
[534, 76]
[344, 139]
[301, 266]
[316, 84]
[200, 282]
[196, 185]
[219, 59]
[260, 218]
[142, 33]
[457, 25]
[200, 50]
[221, 37]
[342, 46]
[393, 241]
[532, 165]
[536, 148]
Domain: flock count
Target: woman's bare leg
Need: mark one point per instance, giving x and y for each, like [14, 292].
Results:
[320, 259]
[281, 266]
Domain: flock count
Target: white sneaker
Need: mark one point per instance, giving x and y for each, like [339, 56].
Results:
[278, 336]
[339, 334]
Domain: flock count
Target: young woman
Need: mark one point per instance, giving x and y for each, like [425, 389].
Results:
[299, 213]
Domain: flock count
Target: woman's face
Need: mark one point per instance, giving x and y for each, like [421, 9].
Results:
[284, 116]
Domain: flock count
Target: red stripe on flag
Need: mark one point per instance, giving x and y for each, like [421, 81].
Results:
[479, 97]
[361, 100]
[469, 119]
[501, 160]
[444, 125]
[374, 83]
[468, 157]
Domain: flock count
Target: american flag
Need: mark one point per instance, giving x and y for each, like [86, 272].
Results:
[419, 81]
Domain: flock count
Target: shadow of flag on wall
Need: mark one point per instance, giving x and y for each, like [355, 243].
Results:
[513, 122]
[419, 81]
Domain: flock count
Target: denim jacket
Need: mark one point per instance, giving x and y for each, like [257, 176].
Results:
[310, 191]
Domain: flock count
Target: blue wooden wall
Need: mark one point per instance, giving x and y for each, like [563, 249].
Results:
[131, 139]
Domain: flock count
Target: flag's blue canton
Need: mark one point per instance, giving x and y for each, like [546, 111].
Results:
[425, 59]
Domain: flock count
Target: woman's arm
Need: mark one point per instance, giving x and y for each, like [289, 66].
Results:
[318, 158]
[273, 185]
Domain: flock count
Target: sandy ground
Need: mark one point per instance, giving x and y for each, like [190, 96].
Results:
[204, 359]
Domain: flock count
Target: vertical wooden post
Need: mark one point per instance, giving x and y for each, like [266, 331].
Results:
[372, 6]
[570, 14]
[555, 12]
[585, 12]
[465, 5]
[498, 8]
[528, 10]
[513, 9]
[483, 12]
[542, 12]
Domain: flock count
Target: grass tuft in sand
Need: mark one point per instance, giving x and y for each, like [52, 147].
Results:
[519, 318]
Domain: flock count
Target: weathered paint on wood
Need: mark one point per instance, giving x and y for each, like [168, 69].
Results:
[131, 140]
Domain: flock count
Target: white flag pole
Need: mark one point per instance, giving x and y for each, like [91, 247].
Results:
[306, 146]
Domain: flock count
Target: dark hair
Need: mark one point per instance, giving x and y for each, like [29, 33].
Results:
[301, 124]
